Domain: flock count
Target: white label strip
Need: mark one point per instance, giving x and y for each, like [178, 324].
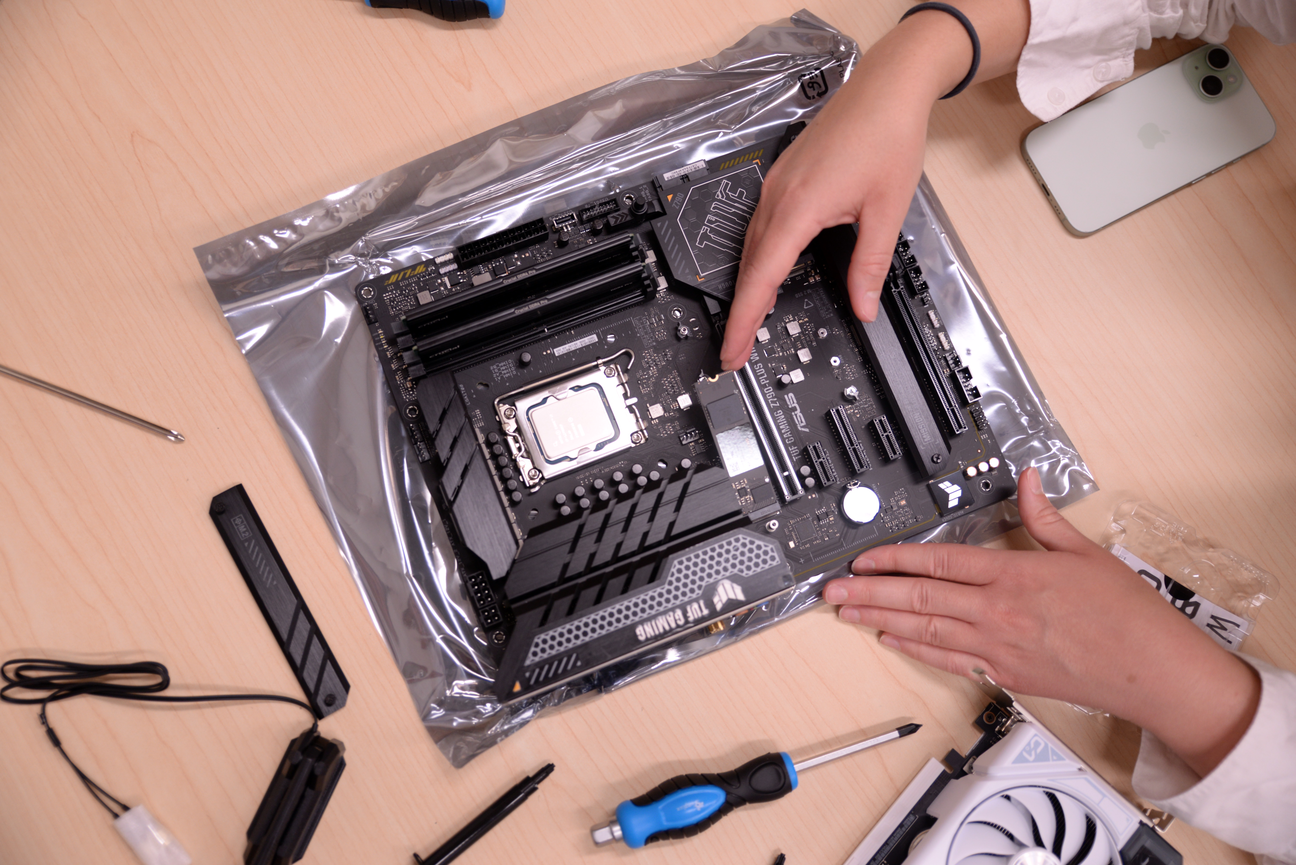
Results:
[572, 346]
[680, 172]
[1228, 629]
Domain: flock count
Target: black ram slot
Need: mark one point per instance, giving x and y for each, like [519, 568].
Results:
[850, 442]
[526, 311]
[936, 379]
[522, 288]
[495, 245]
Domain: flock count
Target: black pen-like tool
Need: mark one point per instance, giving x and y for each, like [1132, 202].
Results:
[486, 820]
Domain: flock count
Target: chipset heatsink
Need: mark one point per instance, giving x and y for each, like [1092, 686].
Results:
[573, 419]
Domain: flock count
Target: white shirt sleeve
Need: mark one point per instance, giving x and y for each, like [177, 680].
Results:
[1249, 800]
[1074, 48]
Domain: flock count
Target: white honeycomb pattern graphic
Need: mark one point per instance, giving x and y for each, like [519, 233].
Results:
[735, 556]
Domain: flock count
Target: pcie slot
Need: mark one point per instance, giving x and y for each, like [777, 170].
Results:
[890, 444]
[785, 473]
[822, 464]
[939, 383]
[495, 245]
[850, 442]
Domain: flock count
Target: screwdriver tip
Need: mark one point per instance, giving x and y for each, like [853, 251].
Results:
[175, 436]
[908, 729]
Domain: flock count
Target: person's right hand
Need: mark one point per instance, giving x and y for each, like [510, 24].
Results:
[858, 161]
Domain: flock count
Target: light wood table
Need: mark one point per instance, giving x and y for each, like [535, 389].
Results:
[132, 132]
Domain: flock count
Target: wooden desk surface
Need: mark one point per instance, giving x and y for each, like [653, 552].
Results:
[130, 133]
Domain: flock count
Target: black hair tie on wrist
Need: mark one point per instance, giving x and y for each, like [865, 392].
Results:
[971, 32]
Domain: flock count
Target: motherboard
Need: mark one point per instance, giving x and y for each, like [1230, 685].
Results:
[606, 488]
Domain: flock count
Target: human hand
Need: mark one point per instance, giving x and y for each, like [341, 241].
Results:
[1070, 622]
[859, 161]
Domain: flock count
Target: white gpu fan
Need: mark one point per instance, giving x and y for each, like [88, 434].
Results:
[1021, 797]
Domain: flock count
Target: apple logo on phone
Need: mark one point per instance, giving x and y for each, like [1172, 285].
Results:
[1151, 135]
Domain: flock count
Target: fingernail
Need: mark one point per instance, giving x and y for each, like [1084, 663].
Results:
[863, 566]
[872, 299]
[850, 614]
[1033, 482]
[889, 641]
[835, 595]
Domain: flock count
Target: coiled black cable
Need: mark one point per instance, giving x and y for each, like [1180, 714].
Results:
[56, 680]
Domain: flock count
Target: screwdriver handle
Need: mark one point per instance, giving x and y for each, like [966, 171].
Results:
[446, 10]
[687, 804]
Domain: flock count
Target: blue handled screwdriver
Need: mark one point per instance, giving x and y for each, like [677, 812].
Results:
[687, 804]
[446, 10]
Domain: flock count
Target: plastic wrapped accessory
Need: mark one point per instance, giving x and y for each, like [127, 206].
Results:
[1218, 590]
[287, 289]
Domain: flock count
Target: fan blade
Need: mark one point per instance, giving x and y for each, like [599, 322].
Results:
[1010, 836]
[1091, 830]
[1034, 826]
[985, 859]
[1059, 833]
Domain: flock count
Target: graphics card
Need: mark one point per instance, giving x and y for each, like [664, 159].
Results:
[1019, 797]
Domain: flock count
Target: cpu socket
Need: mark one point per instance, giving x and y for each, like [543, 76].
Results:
[578, 417]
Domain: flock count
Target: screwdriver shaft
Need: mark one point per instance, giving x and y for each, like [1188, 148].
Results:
[856, 747]
[94, 404]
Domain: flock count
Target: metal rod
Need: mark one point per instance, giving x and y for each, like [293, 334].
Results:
[858, 746]
[86, 401]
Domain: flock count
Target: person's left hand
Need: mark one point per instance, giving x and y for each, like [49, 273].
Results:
[1071, 622]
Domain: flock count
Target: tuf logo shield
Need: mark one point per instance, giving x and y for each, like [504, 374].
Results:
[726, 591]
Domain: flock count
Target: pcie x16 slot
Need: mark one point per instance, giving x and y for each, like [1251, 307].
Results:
[850, 442]
[785, 473]
[939, 383]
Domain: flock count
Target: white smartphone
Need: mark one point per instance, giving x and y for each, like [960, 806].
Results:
[1142, 141]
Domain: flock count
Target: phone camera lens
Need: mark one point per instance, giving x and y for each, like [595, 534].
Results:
[1218, 58]
[1212, 86]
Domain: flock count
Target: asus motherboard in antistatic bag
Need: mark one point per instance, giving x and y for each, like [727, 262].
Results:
[606, 487]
